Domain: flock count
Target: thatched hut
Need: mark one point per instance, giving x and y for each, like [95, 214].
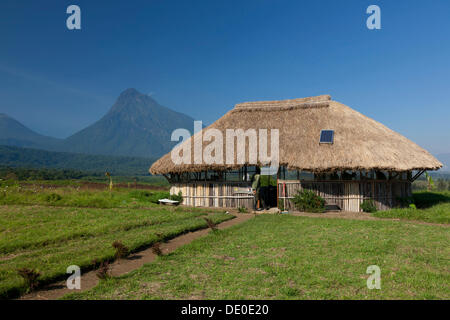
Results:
[359, 158]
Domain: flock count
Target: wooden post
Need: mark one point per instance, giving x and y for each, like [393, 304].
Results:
[278, 176]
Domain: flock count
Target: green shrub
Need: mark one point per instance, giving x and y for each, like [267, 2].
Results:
[242, 209]
[308, 201]
[103, 272]
[412, 206]
[368, 206]
[30, 277]
[211, 224]
[176, 197]
[121, 250]
[156, 249]
[52, 197]
[428, 199]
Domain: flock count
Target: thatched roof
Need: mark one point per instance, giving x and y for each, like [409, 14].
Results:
[360, 143]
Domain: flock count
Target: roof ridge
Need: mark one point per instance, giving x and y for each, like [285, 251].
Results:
[282, 106]
[312, 99]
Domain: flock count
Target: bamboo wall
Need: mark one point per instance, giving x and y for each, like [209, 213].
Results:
[215, 194]
[348, 195]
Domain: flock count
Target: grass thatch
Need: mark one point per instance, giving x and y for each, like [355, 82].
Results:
[360, 143]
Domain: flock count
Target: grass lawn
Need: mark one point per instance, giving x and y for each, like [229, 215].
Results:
[431, 207]
[439, 213]
[50, 239]
[288, 257]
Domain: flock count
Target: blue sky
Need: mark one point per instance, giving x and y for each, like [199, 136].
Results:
[202, 57]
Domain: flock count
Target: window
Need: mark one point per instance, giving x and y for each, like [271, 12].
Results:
[326, 136]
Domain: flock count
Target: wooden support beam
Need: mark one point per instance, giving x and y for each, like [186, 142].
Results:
[418, 174]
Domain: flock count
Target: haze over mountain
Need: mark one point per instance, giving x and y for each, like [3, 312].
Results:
[13, 133]
[445, 159]
[136, 125]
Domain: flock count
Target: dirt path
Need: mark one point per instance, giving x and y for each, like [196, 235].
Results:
[134, 261]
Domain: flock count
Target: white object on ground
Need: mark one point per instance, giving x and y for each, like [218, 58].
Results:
[167, 201]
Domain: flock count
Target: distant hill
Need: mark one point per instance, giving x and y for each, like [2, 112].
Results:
[13, 133]
[136, 125]
[34, 158]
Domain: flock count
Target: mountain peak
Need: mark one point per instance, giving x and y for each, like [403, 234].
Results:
[12, 132]
[130, 92]
[128, 95]
[132, 100]
[135, 125]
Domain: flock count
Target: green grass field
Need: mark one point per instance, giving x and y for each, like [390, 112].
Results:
[50, 225]
[81, 226]
[288, 257]
[439, 213]
[433, 207]
[75, 195]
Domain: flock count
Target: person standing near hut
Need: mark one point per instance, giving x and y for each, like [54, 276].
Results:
[256, 188]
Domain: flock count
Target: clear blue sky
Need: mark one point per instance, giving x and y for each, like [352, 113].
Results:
[202, 57]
